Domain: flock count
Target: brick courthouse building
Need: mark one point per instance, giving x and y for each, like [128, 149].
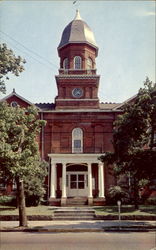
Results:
[79, 127]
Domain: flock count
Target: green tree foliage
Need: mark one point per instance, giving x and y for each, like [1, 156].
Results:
[116, 193]
[133, 138]
[9, 63]
[19, 153]
[35, 187]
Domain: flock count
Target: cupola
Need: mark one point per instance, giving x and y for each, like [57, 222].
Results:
[77, 49]
[77, 31]
[77, 81]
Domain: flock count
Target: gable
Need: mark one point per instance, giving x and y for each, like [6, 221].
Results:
[14, 97]
[128, 101]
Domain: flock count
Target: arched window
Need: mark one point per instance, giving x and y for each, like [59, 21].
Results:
[77, 62]
[65, 63]
[89, 63]
[77, 140]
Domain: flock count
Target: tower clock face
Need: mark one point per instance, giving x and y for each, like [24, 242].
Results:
[77, 92]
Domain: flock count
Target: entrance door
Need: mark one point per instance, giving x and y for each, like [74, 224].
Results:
[77, 184]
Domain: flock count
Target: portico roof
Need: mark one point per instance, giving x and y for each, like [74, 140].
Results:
[74, 158]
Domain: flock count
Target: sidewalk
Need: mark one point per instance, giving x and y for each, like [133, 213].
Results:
[79, 226]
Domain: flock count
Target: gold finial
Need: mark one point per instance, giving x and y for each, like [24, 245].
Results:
[77, 17]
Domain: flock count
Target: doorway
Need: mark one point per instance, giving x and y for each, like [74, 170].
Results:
[77, 184]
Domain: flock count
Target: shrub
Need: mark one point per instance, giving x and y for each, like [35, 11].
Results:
[151, 201]
[32, 200]
[7, 200]
[34, 192]
[117, 193]
[34, 186]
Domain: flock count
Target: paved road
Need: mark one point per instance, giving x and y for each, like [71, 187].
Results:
[75, 241]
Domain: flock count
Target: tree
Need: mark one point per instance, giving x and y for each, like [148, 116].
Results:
[133, 138]
[9, 63]
[35, 187]
[19, 153]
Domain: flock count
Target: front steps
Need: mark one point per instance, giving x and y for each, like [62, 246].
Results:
[76, 202]
[74, 213]
[69, 202]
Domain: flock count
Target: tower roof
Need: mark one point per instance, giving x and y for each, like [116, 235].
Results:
[77, 31]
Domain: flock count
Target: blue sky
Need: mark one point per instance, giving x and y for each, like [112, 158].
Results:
[124, 32]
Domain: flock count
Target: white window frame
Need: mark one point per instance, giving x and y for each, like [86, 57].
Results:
[77, 62]
[65, 63]
[14, 104]
[77, 135]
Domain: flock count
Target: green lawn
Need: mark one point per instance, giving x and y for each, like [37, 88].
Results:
[106, 210]
[126, 210]
[40, 210]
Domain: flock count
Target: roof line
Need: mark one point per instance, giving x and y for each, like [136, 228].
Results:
[80, 42]
[80, 111]
[123, 103]
[20, 97]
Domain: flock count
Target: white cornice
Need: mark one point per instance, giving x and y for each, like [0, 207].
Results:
[77, 76]
[82, 111]
[79, 42]
[74, 158]
[96, 99]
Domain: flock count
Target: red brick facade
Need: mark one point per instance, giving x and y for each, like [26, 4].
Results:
[79, 128]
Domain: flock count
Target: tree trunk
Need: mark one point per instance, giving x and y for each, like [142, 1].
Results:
[21, 204]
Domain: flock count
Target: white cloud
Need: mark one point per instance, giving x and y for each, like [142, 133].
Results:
[149, 13]
[145, 13]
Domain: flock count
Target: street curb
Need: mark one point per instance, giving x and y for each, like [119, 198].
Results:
[98, 217]
[78, 230]
[56, 230]
[127, 217]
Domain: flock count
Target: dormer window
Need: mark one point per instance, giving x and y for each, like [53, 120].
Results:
[77, 62]
[65, 63]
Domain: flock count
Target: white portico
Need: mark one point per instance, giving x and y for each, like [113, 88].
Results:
[76, 175]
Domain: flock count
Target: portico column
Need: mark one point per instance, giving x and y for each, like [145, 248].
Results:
[53, 180]
[64, 194]
[101, 180]
[90, 192]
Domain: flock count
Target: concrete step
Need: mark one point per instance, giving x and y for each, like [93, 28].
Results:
[78, 201]
[74, 218]
[74, 214]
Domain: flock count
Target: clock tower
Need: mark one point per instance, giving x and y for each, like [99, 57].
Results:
[77, 82]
